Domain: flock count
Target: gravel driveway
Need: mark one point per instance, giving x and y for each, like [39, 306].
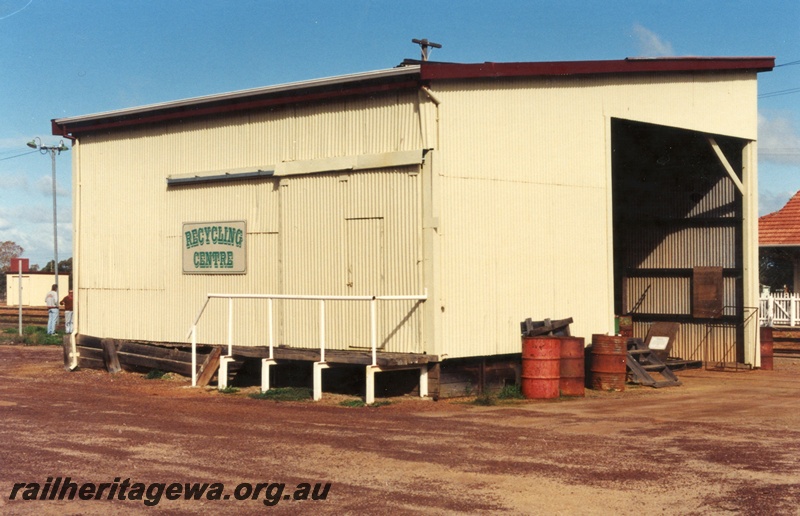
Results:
[723, 443]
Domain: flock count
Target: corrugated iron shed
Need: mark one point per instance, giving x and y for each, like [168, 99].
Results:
[497, 188]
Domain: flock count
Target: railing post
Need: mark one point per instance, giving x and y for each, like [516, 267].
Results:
[373, 329]
[322, 330]
[319, 366]
[194, 355]
[269, 320]
[792, 310]
[230, 326]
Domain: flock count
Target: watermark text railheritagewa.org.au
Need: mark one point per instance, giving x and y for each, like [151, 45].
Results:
[269, 493]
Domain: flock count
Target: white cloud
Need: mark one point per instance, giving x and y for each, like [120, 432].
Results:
[44, 185]
[769, 202]
[16, 144]
[650, 44]
[778, 141]
[13, 182]
[30, 225]
[37, 240]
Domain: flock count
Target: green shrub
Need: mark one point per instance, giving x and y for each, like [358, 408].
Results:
[485, 400]
[32, 330]
[36, 336]
[155, 374]
[53, 340]
[354, 403]
[468, 389]
[284, 394]
[510, 392]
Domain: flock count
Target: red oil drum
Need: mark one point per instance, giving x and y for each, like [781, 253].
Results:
[572, 367]
[767, 345]
[541, 366]
[609, 371]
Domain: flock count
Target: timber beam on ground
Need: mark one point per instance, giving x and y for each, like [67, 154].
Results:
[110, 354]
[786, 340]
[336, 356]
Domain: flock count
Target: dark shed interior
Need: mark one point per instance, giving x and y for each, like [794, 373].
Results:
[677, 222]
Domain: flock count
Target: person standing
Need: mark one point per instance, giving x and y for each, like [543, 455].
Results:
[51, 300]
[67, 302]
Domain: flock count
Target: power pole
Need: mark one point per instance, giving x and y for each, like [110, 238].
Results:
[424, 44]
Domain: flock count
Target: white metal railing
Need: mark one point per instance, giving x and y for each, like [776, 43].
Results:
[373, 300]
[779, 309]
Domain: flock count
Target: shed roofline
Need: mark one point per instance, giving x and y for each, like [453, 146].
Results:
[630, 65]
[303, 91]
[409, 75]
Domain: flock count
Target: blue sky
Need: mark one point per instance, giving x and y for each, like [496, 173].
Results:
[69, 58]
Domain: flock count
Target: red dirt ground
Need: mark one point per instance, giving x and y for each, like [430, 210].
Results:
[723, 443]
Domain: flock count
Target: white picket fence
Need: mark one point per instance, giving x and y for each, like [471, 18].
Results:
[779, 309]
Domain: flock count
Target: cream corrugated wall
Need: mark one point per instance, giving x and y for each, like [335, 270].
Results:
[525, 210]
[131, 283]
[517, 214]
[353, 234]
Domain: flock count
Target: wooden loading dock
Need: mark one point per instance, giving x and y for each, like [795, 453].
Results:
[452, 378]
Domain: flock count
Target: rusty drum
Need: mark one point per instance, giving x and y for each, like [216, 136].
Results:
[608, 368]
[541, 367]
[572, 370]
[767, 345]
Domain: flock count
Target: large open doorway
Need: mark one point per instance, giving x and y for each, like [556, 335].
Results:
[678, 237]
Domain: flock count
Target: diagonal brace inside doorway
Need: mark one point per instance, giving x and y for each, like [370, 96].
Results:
[726, 164]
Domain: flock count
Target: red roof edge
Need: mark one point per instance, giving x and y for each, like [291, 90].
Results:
[308, 92]
[782, 227]
[432, 70]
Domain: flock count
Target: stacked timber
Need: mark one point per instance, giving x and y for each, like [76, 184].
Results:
[786, 341]
[31, 315]
[117, 355]
[473, 376]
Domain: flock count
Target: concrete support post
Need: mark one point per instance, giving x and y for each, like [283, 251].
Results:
[372, 370]
[317, 373]
[222, 374]
[370, 397]
[265, 365]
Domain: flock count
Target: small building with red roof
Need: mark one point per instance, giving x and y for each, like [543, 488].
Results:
[779, 240]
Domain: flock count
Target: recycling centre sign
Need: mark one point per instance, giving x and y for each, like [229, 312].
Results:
[214, 247]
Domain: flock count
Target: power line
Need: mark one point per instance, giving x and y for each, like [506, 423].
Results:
[779, 93]
[18, 155]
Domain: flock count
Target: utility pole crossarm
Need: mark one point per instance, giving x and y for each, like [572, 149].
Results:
[53, 151]
[424, 45]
